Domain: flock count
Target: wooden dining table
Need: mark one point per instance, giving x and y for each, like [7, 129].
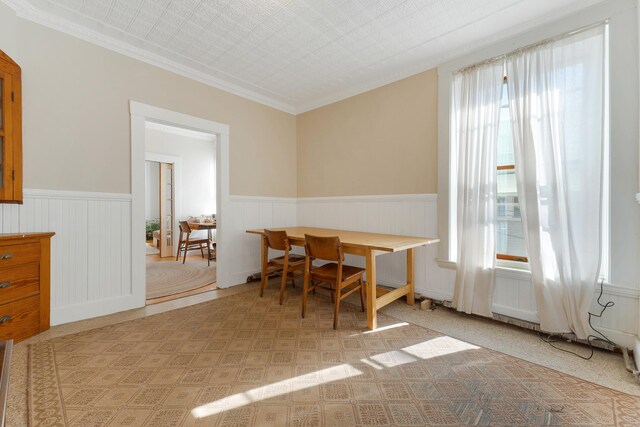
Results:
[211, 225]
[370, 246]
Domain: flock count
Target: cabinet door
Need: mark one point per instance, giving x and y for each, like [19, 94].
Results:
[10, 131]
[6, 133]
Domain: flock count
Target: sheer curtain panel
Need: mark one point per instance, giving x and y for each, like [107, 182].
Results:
[556, 101]
[475, 117]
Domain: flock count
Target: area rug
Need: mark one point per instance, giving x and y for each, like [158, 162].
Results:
[244, 360]
[166, 278]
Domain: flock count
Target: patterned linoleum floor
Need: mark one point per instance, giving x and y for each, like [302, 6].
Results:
[243, 360]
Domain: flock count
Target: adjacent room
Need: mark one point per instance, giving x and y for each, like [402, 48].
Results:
[180, 200]
[319, 213]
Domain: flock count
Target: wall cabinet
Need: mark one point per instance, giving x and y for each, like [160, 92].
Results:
[10, 131]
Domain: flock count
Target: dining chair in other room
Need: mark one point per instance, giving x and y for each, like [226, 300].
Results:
[287, 264]
[186, 243]
[333, 276]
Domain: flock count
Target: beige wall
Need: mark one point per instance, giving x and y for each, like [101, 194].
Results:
[383, 141]
[76, 116]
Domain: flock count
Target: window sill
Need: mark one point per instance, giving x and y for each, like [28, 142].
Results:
[501, 270]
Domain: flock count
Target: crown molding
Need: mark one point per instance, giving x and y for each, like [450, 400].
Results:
[25, 10]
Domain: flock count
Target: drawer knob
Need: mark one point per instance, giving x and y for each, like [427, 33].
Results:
[4, 319]
[4, 285]
[6, 256]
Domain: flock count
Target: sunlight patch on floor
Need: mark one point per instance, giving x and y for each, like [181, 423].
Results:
[334, 373]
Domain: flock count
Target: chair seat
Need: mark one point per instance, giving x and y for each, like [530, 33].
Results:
[330, 271]
[293, 260]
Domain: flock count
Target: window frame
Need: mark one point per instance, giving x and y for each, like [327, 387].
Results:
[516, 261]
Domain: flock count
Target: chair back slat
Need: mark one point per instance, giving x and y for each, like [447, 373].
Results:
[184, 227]
[326, 248]
[277, 239]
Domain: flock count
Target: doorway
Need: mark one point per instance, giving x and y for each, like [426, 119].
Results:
[179, 162]
[141, 115]
[160, 211]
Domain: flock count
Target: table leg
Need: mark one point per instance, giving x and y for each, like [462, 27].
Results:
[208, 247]
[264, 250]
[410, 280]
[372, 318]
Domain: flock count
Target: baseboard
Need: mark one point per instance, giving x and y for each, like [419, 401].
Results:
[235, 279]
[74, 313]
[623, 339]
[504, 310]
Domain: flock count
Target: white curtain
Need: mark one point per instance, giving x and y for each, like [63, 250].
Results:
[556, 101]
[475, 118]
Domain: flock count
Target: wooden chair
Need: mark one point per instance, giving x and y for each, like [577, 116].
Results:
[186, 243]
[336, 275]
[286, 264]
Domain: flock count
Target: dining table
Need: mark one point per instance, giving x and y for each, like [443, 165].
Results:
[206, 225]
[368, 245]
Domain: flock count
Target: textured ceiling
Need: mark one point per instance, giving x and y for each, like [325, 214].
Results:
[296, 54]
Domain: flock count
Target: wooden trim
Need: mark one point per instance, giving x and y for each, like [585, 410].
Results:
[17, 139]
[6, 347]
[512, 258]
[45, 281]
[506, 167]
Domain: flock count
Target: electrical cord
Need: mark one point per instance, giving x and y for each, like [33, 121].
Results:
[554, 338]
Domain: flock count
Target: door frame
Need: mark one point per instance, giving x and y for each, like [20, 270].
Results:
[140, 115]
[177, 170]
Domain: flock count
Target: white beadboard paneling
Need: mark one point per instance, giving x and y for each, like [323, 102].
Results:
[409, 214]
[90, 253]
[254, 212]
[416, 215]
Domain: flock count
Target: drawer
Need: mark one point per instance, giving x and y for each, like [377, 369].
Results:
[19, 282]
[12, 255]
[20, 319]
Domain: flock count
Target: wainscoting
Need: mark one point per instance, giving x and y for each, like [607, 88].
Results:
[416, 215]
[402, 214]
[90, 253]
[248, 213]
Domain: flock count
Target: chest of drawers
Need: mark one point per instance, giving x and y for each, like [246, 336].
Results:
[25, 261]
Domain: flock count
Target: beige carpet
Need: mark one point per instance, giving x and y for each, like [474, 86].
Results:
[243, 360]
[172, 277]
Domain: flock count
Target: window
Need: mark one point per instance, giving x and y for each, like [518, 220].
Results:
[510, 243]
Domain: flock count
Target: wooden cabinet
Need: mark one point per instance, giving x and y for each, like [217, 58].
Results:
[10, 131]
[24, 284]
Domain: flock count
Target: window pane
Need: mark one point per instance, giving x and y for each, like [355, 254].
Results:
[505, 136]
[510, 233]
